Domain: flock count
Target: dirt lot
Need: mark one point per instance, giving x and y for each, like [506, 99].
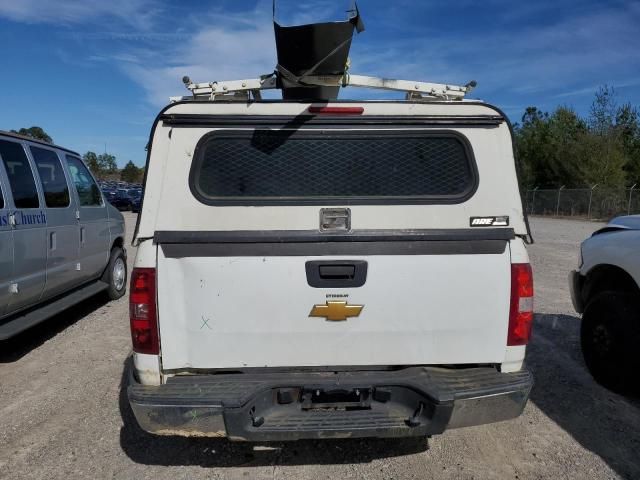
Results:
[63, 410]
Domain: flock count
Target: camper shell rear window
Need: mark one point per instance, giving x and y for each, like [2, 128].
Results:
[271, 167]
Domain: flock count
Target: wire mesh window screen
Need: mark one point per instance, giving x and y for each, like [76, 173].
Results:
[290, 165]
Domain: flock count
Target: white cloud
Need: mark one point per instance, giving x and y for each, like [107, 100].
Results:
[222, 46]
[592, 46]
[139, 14]
[589, 90]
[236, 46]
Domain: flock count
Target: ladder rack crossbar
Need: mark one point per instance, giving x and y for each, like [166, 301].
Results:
[413, 89]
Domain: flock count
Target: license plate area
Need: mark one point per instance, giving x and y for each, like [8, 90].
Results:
[335, 399]
[336, 411]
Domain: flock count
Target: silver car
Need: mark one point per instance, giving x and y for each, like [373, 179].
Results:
[60, 241]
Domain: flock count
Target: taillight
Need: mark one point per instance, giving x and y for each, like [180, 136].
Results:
[142, 311]
[521, 311]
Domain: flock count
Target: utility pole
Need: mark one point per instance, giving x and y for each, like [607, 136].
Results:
[590, 198]
[558, 205]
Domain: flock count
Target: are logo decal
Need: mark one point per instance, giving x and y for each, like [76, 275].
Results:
[502, 221]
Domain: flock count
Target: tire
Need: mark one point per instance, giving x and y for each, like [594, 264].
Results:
[115, 275]
[610, 337]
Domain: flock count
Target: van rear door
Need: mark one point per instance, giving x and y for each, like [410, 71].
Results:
[93, 220]
[364, 267]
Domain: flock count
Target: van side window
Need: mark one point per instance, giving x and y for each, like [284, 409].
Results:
[1, 198]
[88, 191]
[21, 181]
[54, 184]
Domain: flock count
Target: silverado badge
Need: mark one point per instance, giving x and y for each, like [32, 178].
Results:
[336, 311]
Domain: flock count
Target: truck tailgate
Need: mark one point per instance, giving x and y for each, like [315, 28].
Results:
[447, 306]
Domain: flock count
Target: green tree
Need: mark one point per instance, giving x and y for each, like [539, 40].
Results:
[91, 160]
[533, 148]
[546, 146]
[628, 125]
[602, 161]
[566, 131]
[130, 173]
[603, 110]
[101, 165]
[108, 163]
[603, 150]
[564, 149]
[34, 132]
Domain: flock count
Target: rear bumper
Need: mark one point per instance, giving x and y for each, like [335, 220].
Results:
[303, 405]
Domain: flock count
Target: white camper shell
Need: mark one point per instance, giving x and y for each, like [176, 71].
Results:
[334, 269]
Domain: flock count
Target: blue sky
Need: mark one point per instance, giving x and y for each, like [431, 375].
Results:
[95, 72]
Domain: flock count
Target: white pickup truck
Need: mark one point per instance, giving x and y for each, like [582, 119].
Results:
[341, 269]
[606, 290]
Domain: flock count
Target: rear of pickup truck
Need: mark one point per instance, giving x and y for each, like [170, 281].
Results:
[355, 272]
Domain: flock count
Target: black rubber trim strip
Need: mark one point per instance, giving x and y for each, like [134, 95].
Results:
[191, 120]
[310, 249]
[312, 236]
[180, 244]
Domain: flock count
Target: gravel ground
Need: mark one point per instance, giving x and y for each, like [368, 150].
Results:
[63, 411]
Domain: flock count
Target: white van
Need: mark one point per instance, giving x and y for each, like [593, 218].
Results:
[329, 269]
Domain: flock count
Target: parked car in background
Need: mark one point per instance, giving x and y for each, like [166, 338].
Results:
[136, 200]
[122, 200]
[606, 290]
[60, 242]
[108, 194]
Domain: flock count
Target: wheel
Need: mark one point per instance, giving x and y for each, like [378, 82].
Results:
[610, 336]
[116, 274]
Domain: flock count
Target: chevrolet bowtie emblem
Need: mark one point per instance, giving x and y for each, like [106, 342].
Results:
[336, 311]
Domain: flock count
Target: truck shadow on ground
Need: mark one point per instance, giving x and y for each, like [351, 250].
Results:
[17, 347]
[147, 449]
[603, 422]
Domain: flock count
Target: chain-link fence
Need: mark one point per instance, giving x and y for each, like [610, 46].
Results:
[594, 203]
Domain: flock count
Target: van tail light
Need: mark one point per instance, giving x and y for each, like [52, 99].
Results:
[521, 310]
[142, 311]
